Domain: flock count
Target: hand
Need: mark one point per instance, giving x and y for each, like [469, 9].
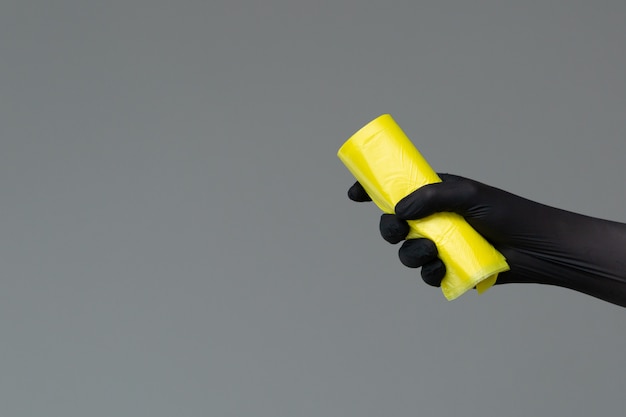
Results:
[542, 244]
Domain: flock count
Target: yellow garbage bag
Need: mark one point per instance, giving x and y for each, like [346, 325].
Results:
[383, 159]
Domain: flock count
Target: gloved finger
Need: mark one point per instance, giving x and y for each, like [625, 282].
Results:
[433, 272]
[358, 193]
[393, 229]
[453, 194]
[417, 252]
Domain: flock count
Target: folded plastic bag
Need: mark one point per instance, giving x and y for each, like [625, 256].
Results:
[389, 167]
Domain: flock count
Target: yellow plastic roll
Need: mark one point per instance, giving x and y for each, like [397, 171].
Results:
[383, 159]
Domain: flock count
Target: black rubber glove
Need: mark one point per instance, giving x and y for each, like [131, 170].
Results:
[542, 244]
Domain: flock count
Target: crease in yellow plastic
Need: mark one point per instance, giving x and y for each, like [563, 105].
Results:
[383, 159]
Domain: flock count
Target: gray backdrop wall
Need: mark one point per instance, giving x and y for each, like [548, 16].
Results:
[175, 239]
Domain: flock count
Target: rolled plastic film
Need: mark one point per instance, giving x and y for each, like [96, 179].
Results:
[383, 159]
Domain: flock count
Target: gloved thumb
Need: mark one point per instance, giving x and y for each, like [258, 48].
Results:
[454, 194]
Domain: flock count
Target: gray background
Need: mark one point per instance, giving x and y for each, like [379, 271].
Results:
[175, 239]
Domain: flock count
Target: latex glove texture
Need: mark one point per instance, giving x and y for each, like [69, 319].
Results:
[542, 244]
